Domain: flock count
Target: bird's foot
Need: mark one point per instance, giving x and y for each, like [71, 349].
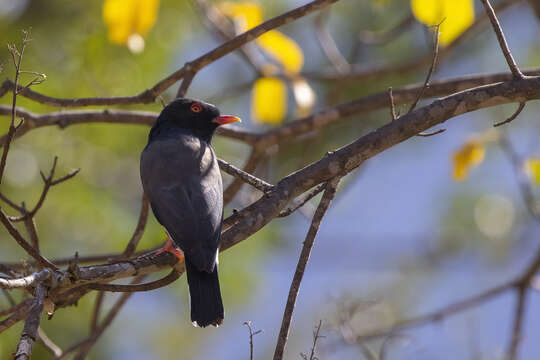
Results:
[169, 247]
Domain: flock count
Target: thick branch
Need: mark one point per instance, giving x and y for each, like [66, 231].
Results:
[26, 281]
[29, 334]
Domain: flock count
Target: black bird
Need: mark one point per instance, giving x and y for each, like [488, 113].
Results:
[181, 177]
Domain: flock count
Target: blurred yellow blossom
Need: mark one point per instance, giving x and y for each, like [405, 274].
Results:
[472, 153]
[128, 21]
[531, 167]
[456, 16]
[269, 96]
[467, 157]
[269, 100]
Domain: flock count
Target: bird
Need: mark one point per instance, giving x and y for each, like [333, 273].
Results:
[181, 177]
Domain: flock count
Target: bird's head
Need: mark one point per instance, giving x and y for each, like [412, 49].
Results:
[200, 117]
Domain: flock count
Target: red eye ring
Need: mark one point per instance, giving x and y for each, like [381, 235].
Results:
[196, 108]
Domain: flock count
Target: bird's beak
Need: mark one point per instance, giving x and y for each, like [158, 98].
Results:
[225, 119]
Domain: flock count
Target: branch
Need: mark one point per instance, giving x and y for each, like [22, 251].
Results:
[245, 176]
[362, 72]
[87, 344]
[29, 333]
[16, 308]
[139, 229]
[252, 162]
[316, 337]
[328, 195]
[302, 202]
[353, 155]
[328, 45]
[23, 243]
[196, 65]
[502, 41]
[48, 344]
[285, 132]
[26, 281]
[438, 315]
[251, 335]
[153, 285]
[63, 119]
[17, 59]
[19, 314]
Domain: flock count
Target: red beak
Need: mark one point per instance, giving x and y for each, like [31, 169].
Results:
[226, 119]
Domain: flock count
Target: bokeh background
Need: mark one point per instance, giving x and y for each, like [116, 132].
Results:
[403, 238]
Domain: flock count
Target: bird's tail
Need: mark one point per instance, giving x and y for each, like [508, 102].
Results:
[206, 303]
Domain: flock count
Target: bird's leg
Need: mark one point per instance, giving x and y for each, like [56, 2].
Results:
[169, 247]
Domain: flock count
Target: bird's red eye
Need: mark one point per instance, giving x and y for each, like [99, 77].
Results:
[196, 108]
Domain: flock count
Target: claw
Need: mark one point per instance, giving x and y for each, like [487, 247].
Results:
[169, 247]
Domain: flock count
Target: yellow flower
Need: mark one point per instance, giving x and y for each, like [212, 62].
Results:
[531, 167]
[470, 155]
[269, 96]
[128, 21]
[269, 100]
[456, 16]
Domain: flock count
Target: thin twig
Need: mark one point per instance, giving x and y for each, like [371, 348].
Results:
[392, 104]
[502, 40]
[524, 185]
[245, 176]
[316, 337]
[431, 68]
[48, 182]
[440, 314]
[97, 309]
[514, 115]
[186, 82]
[16, 307]
[328, 45]
[385, 36]
[17, 59]
[139, 229]
[251, 335]
[19, 314]
[23, 243]
[170, 278]
[48, 344]
[328, 195]
[426, 82]
[252, 162]
[302, 202]
[85, 345]
[517, 328]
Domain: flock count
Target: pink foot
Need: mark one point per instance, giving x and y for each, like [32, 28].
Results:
[168, 247]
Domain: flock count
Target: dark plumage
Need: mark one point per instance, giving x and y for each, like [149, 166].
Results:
[181, 177]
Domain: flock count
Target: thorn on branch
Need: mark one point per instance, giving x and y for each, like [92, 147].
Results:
[428, 134]
[514, 115]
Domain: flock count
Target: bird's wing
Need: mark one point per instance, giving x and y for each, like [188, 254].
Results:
[186, 195]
